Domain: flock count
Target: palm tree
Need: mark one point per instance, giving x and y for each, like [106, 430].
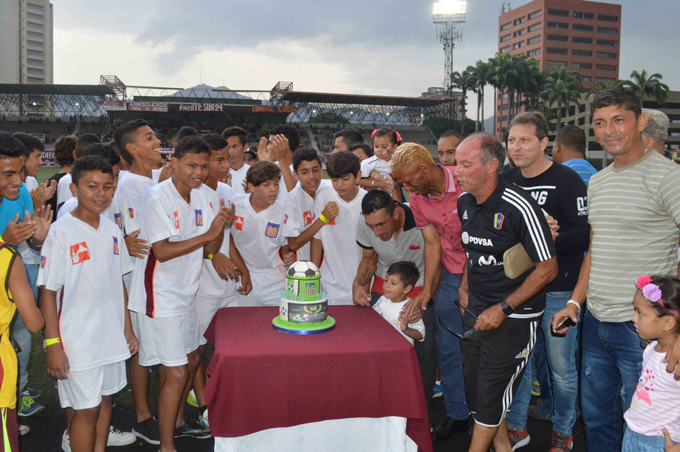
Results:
[563, 88]
[479, 74]
[504, 73]
[643, 85]
[464, 82]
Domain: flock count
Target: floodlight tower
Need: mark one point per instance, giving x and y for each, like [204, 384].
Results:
[446, 14]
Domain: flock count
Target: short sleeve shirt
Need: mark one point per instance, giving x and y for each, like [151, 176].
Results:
[8, 210]
[508, 217]
[130, 194]
[390, 311]
[377, 164]
[237, 177]
[300, 215]
[87, 265]
[442, 214]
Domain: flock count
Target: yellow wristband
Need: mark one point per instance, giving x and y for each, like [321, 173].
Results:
[324, 219]
[53, 341]
[210, 256]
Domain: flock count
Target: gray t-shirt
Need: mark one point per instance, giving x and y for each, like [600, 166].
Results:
[409, 246]
[634, 213]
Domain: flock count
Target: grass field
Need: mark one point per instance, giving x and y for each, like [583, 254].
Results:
[45, 173]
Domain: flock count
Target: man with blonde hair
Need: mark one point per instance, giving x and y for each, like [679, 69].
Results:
[433, 200]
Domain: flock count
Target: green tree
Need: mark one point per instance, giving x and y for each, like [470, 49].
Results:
[505, 73]
[479, 74]
[562, 88]
[643, 85]
[328, 118]
[464, 82]
[439, 125]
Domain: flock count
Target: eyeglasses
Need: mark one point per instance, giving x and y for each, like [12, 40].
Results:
[467, 333]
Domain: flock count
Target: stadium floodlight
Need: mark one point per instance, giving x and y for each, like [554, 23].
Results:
[449, 11]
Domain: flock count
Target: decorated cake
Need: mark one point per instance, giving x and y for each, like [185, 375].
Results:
[304, 307]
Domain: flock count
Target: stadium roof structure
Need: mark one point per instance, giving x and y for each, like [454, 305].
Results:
[52, 100]
[360, 99]
[59, 90]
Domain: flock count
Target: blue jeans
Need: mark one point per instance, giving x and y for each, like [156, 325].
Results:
[636, 442]
[560, 353]
[449, 352]
[610, 368]
[19, 332]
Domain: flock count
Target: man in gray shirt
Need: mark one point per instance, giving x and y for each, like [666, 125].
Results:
[387, 233]
[634, 213]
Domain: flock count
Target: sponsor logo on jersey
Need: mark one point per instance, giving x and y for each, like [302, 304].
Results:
[414, 247]
[80, 253]
[272, 230]
[498, 220]
[116, 250]
[238, 221]
[43, 261]
[486, 261]
[131, 212]
[309, 218]
[118, 218]
[465, 216]
[176, 220]
[467, 238]
[199, 217]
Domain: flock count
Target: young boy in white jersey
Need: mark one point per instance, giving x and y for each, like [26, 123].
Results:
[137, 143]
[237, 142]
[217, 287]
[88, 332]
[175, 222]
[335, 244]
[400, 280]
[64, 186]
[257, 234]
[301, 223]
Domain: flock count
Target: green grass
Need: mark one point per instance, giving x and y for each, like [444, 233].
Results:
[45, 173]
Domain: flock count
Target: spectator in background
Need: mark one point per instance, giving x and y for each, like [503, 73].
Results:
[655, 134]
[361, 150]
[64, 156]
[250, 156]
[570, 150]
[186, 131]
[345, 138]
[448, 142]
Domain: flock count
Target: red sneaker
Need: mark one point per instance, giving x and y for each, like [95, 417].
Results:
[518, 438]
[561, 443]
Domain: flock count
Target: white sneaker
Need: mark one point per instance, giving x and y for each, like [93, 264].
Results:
[23, 429]
[120, 438]
[203, 419]
[65, 442]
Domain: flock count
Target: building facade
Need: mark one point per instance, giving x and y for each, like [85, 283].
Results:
[578, 35]
[26, 34]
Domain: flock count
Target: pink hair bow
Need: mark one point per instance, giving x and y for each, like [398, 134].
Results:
[652, 292]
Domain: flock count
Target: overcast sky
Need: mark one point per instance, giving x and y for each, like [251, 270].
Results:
[351, 46]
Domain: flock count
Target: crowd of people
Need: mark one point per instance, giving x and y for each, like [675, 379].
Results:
[503, 267]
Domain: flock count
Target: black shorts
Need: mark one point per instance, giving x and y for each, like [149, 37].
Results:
[494, 363]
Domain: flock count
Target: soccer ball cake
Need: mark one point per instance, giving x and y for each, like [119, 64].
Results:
[304, 307]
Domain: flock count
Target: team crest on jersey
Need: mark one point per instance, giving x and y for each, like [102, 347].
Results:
[116, 250]
[43, 261]
[176, 221]
[272, 230]
[80, 253]
[199, 217]
[309, 218]
[131, 212]
[498, 220]
[119, 220]
[238, 221]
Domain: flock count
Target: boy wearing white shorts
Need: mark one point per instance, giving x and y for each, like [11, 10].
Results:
[88, 331]
[174, 221]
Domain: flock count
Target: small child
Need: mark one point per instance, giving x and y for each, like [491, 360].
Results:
[655, 407]
[376, 169]
[400, 279]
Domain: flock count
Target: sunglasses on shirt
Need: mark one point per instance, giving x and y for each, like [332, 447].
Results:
[465, 334]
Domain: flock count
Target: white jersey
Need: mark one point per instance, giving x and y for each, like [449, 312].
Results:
[130, 195]
[259, 236]
[390, 311]
[64, 189]
[211, 285]
[341, 252]
[31, 183]
[87, 265]
[112, 212]
[374, 163]
[167, 289]
[122, 174]
[283, 189]
[237, 178]
[300, 215]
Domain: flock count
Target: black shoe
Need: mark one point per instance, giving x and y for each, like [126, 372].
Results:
[448, 428]
[192, 430]
[148, 431]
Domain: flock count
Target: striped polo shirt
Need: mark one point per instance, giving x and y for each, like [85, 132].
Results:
[634, 213]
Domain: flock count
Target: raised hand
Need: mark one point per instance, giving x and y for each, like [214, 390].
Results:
[280, 148]
[166, 173]
[263, 154]
[331, 211]
[17, 233]
[42, 218]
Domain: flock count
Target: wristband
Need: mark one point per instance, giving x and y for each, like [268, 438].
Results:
[324, 219]
[210, 256]
[464, 290]
[578, 305]
[52, 341]
[372, 184]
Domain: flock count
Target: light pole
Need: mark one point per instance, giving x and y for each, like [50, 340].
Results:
[446, 14]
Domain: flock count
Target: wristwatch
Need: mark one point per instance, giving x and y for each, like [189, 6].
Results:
[507, 309]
